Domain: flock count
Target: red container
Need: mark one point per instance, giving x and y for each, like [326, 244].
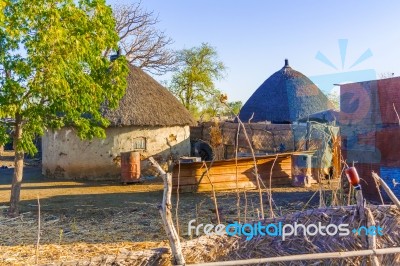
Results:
[130, 167]
[352, 176]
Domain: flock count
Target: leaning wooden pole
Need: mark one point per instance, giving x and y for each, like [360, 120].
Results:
[258, 178]
[360, 204]
[361, 211]
[166, 215]
[390, 193]
[213, 192]
[372, 237]
[313, 256]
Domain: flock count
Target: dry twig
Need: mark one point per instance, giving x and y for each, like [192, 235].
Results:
[271, 214]
[38, 233]
[258, 179]
[245, 205]
[397, 114]
[213, 191]
[255, 167]
[237, 174]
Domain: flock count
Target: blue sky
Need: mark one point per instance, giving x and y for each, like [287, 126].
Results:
[254, 37]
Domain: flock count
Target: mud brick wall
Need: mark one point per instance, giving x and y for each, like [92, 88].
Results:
[369, 123]
[388, 133]
[389, 95]
[265, 138]
[370, 126]
[388, 145]
[370, 190]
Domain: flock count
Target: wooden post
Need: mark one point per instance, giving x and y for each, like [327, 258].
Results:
[360, 204]
[361, 211]
[166, 215]
[390, 193]
[372, 237]
[337, 166]
[308, 135]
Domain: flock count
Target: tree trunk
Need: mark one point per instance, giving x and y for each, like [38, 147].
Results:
[188, 97]
[18, 170]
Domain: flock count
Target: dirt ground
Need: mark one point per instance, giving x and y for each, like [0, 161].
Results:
[83, 219]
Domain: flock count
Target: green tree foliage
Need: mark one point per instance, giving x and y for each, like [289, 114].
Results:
[193, 82]
[215, 108]
[3, 4]
[53, 74]
[212, 107]
[233, 108]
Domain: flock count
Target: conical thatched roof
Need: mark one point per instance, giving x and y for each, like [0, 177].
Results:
[147, 103]
[284, 97]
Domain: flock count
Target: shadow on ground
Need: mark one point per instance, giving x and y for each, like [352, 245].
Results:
[109, 212]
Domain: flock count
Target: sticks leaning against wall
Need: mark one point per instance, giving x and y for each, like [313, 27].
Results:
[237, 173]
[271, 211]
[258, 179]
[390, 193]
[165, 211]
[213, 191]
[223, 100]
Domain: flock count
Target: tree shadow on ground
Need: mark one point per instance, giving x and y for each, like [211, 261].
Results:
[108, 212]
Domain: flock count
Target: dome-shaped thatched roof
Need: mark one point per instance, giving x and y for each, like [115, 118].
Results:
[284, 97]
[147, 103]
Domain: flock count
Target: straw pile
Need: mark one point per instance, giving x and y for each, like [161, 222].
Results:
[201, 249]
[224, 248]
[262, 247]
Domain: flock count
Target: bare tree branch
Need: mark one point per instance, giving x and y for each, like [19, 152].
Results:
[142, 43]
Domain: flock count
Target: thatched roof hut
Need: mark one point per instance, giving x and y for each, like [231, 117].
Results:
[284, 97]
[147, 103]
[149, 120]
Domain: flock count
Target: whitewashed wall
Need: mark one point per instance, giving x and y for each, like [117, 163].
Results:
[64, 155]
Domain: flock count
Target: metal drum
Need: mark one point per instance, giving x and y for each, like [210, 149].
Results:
[130, 167]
